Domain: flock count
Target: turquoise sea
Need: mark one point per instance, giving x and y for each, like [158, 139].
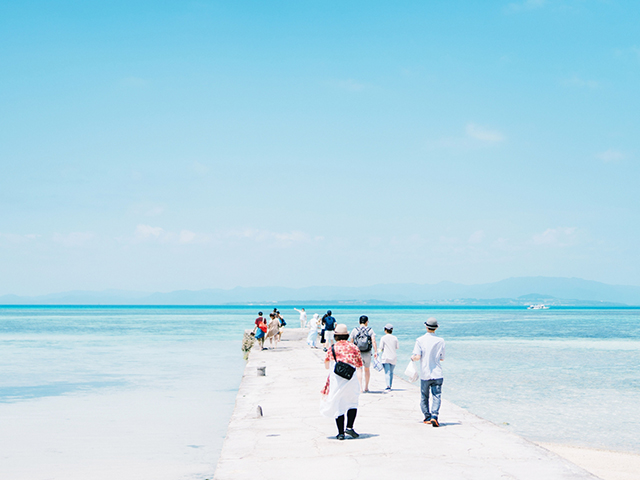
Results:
[146, 392]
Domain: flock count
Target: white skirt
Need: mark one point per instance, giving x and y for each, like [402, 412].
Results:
[311, 338]
[343, 395]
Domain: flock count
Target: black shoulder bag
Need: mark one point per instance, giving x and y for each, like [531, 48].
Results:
[342, 369]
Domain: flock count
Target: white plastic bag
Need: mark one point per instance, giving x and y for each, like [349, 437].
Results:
[411, 372]
[376, 363]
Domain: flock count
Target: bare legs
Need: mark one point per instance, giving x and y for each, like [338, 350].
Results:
[367, 376]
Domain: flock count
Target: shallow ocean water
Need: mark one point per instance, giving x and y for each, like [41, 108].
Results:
[104, 392]
[116, 392]
[560, 375]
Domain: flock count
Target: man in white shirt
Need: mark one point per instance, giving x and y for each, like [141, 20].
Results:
[429, 350]
[388, 356]
[303, 317]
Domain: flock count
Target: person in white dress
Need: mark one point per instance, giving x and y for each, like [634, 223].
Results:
[388, 357]
[341, 395]
[314, 323]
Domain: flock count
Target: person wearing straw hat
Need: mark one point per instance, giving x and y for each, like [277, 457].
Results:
[429, 349]
[341, 394]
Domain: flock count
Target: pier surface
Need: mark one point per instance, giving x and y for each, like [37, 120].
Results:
[291, 440]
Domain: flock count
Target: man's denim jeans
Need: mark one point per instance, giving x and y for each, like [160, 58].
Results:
[388, 373]
[435, 387]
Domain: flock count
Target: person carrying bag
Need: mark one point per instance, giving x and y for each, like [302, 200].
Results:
[342, 369]
[342, 389]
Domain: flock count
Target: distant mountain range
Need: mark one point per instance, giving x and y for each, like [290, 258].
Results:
[512, 291]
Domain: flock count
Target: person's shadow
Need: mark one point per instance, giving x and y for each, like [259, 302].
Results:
[363, 436]
[448, 424]
[383, 392]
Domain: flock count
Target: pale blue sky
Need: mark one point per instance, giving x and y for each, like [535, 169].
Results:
[187, 145]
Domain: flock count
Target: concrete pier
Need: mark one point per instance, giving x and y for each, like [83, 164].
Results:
[276, 431]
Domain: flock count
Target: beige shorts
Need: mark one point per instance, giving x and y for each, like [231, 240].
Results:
[366, 359]
[329, 336]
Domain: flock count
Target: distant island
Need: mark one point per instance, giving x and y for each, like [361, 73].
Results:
[554, 291]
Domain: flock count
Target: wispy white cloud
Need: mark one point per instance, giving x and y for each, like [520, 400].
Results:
[611, 155]
[73, 239]
[147, 232]
[484, 134]
[476, 237]
[187, 236]
[18, 238]
[526, 5]
[578, 82]
[556, 237]
[282, 239]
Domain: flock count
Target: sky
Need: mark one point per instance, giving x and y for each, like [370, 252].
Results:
[158, 146]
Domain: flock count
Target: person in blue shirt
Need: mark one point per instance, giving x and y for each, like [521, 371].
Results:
[329, 324]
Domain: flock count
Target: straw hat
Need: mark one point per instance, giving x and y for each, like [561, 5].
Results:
[341, 329]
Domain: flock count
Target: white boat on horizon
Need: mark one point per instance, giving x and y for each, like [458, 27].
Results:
[537, 306]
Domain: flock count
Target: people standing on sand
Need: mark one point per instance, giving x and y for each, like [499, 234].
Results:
[429, 349]
[260, 329]
[341, 394]
[313, 324]
[388, 346]
[329, 324]
[364, 338]
[303, 317]
[273, 330]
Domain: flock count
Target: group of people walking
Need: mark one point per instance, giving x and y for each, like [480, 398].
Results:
[363, 337]
[271, 330]
[349, 358]
[352, 352]
[319, 328]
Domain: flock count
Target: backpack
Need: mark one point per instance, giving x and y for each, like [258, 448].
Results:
[362, 339]
[330, 323]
